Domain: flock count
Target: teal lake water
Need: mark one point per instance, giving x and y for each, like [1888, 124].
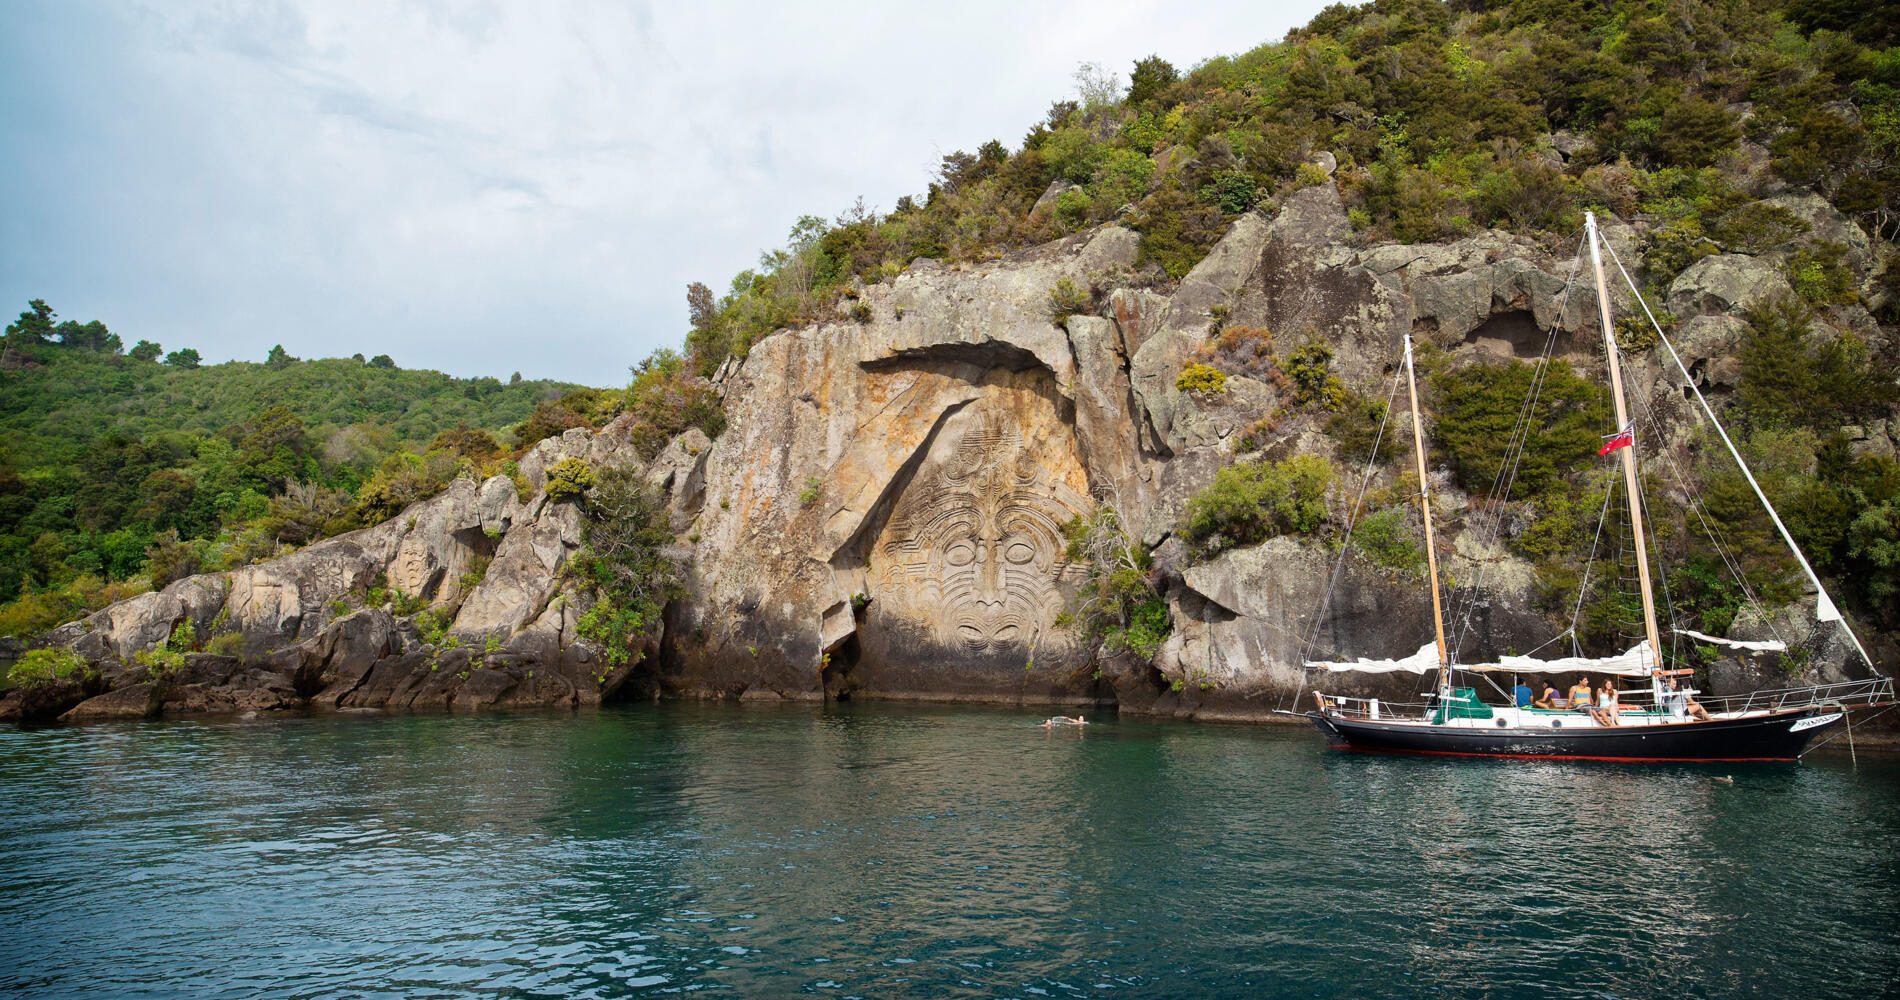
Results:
[880, 851]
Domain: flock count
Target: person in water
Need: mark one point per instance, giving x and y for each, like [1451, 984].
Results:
[1065, 720]
[1606, 710]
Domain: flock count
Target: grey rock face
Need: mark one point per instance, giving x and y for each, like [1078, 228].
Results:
[883, 516]
[1726, 283]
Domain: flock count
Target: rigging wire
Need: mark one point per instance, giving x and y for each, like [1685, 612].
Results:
[1576, 614]
[1726, 550]
[1505, 479]
[1731, 561]
[1823, 601]
[1311, 642]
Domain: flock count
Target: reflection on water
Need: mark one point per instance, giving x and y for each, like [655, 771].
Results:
[893, 852]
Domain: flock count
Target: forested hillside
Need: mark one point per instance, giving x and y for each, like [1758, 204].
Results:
[115, 466]
[1433, 121]
[1702, 126]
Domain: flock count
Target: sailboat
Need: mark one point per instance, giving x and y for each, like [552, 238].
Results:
[1658, 721]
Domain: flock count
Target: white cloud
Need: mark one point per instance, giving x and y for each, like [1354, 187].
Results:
[485, 187]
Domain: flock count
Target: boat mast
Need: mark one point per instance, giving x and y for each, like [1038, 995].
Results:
[1425, 507]
[1629, 453]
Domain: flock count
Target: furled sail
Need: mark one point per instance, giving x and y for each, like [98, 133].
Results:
[1768, 646]
[1634, 663]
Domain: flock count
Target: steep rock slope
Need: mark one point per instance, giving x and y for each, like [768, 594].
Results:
[883, 516]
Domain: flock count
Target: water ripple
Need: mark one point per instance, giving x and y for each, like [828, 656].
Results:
[915, 852]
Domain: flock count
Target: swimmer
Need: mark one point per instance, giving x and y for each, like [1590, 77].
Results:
[1064, 720]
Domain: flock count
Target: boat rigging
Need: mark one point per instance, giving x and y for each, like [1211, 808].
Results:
[1664, 722]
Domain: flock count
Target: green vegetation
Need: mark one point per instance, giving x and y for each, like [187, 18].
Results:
[1117, 604]
[42, 667]
[1478, 409]
[625, 564]
[118, 473]
[569, 480]
[1202, 379]
[1251, 502]
[1067, 299]
[1387, 538]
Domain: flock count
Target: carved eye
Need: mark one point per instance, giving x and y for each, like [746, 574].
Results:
[1020, 553]
[1007, 633]
[960, 554]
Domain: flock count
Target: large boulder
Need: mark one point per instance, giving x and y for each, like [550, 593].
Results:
[1726, 283]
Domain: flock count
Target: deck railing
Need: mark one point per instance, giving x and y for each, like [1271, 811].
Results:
[1846, 694]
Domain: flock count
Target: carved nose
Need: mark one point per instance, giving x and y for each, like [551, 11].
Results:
[986, 569]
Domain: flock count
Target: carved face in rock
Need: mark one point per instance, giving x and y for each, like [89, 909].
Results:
[973, 554]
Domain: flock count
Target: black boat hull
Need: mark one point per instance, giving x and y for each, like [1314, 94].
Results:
[1781, 736]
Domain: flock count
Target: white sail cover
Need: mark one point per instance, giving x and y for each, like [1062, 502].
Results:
[1634, 663]
[1768, 646]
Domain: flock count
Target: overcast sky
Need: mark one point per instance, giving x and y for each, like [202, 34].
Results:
[487, 187]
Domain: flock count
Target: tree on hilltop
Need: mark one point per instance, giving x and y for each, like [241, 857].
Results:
[91, 336]
[35, 325]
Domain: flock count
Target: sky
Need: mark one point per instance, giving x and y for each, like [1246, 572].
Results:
[486, 187]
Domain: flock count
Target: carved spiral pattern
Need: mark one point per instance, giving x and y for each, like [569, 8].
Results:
[974, 549]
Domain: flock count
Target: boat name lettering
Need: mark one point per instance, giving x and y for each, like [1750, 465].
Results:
[1810, 723]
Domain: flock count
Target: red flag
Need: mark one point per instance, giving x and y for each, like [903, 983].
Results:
[1621, 439]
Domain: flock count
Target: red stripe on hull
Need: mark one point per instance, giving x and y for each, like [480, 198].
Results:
[1552, 756]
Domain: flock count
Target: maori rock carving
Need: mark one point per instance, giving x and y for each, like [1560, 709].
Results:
[971, 559]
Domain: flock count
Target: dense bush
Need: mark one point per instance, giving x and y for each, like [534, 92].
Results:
[1201, 379]
[41, 667]
[569, 480]
[1481, 412]
[624, 563]
[1387, 538]
[1251, 502]
[1117, 604]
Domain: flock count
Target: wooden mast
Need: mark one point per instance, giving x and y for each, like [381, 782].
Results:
[1629, 453]
[1425, 507]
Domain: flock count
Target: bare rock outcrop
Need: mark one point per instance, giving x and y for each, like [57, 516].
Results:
[883, 515]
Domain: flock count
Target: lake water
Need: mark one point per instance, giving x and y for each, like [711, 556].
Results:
[880, 851]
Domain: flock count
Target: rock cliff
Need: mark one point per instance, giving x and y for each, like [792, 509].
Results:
[883, 515]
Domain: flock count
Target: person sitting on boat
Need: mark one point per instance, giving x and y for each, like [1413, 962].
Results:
[1606, 704]
[1580, 696]
[1523, 692]
[1680, 704]
[1551, 699]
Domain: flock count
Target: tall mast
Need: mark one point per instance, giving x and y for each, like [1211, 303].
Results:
[1425, 507]
[1629, 453]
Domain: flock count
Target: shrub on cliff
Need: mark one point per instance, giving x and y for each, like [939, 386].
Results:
[1479, 409]
[403, 479]
[1202, 380]
[1386, 537]
[1791, 378]
[665, 399]
[41, 667]
[1066, 299]
[1251, 502]
[569, 480]
[1117, 604]
[624, 563]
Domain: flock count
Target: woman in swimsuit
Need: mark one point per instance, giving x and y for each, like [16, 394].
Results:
[1606, 704]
